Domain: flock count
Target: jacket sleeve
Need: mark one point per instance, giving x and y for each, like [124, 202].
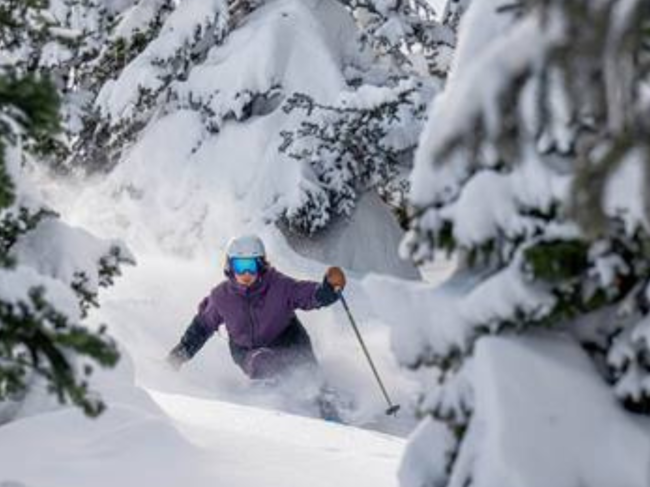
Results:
[203, 326]
[308, 295]
[194, 338]
[208, 312]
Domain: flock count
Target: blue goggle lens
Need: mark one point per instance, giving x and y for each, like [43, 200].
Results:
[240, 265]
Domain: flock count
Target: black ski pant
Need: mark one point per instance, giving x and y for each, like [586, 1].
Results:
[290, 350]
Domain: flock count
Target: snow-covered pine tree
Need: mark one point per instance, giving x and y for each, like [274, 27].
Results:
[269, 91]
[148, 46]
[89, 42]
[408, 30]
[73, 48]
[367, 139]
[364, 143]
[453, 12]
[534, 168]
[49, 272]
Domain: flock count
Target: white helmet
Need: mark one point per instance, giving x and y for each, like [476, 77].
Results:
[245, 246]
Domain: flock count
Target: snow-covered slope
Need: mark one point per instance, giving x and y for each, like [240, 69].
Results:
[368, 240]
[151, 438]
[181, 192]
[150, 307]
[177, 196]
[166, 428]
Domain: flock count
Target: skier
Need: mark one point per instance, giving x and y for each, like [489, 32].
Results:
[257, 305]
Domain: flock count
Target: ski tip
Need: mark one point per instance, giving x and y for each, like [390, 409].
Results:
[392, 411]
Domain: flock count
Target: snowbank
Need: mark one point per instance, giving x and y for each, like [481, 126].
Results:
[542, 416]
[367, 240]
[165, 440]
[547, 418]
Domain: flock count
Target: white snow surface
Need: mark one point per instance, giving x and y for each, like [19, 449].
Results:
[175, 199]
[624, 195]
[16, 283]
[153, 438]
[187, 23]
[371, 226]
[428, 321]
[483, 64]
[207, 424]
[206, 420]
[193, 191]
[544, 417]
[60, 251]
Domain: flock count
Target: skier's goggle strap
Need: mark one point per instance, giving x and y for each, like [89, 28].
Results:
[240, 265]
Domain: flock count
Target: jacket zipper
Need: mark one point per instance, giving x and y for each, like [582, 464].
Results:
[250, 320]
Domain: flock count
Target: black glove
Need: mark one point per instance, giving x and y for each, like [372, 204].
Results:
[326, 294]
[191, 342]
[178, 356]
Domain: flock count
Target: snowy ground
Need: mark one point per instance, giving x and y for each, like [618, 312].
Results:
[206, 422]
[168, 440]
[153, 303]
[197, 421]
[175, 207]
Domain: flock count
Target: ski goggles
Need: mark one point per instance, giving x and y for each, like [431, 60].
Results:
[241, 265]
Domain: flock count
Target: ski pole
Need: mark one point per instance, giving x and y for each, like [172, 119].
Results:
[392, 408]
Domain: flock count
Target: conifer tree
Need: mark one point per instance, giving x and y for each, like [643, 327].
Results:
[178, 68]
[42, 337]
[407, 30]
[535, 172]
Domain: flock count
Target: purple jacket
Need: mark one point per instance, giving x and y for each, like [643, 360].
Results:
[257, 315]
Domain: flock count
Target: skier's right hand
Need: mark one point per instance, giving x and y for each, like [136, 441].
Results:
[177, 357]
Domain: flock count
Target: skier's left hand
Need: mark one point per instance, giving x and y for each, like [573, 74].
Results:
[336, 278]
